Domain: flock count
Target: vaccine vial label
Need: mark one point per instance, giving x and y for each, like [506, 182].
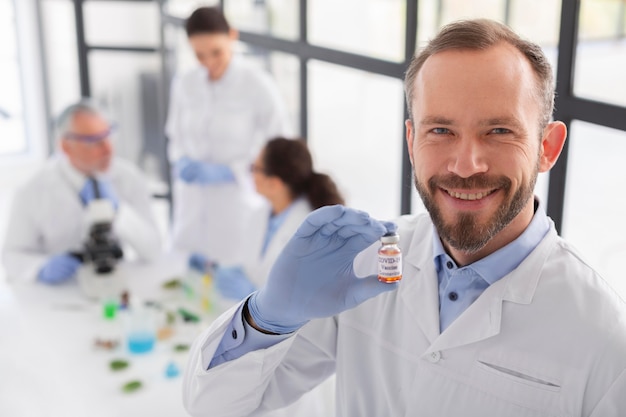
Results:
[389, 267]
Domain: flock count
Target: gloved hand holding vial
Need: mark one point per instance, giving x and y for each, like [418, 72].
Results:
[314, 276]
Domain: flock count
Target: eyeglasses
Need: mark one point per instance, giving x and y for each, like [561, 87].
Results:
[90, 139]
[255, 169]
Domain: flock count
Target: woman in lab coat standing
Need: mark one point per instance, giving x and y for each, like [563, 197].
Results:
[220, 116]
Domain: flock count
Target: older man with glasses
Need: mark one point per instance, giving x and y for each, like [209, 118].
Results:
[47, 229]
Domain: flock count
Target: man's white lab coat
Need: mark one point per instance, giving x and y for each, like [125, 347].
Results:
[48, 217]
[548, 339]
[226, 121]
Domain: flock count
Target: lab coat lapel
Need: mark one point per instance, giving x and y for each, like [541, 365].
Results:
[419, 287]
[483, 318]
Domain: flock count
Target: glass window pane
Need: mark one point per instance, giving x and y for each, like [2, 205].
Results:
[600, 19]
[12, 130]
[183, 8]
[374, 28]
[59, 35]
[601, 53]
[623, 23]
[126, 85]
[275, 17]
[182, 56]
[542, 28]
[285, 69]
[434, 14]
[115, 23]
[593, 219]
[356, 134]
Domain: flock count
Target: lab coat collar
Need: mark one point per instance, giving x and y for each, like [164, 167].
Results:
[481, 320]
[72, 175]
[419, 287]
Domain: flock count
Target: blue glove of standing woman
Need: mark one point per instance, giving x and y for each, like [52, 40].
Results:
[197, 172]
[199, 262]
[313, 276]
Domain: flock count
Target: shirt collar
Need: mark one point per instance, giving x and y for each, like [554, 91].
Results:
[498, 264]
[280, 217]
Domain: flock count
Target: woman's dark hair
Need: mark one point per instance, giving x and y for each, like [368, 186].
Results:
[206, 20]
[290, 160]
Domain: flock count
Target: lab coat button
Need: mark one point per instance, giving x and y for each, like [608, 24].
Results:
[234, 334]
[434, 357]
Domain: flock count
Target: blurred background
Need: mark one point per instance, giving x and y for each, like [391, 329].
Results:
[339, 66]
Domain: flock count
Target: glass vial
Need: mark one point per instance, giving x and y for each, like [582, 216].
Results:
[389, 259]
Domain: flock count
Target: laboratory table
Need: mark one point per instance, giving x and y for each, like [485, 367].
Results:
[50, 364]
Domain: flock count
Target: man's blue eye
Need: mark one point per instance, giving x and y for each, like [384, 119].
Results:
[440, 130]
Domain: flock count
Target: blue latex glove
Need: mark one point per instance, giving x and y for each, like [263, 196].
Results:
[88, 193]
[196, 172]
[313, 276]
[199, 262]
[58, 269]
[232, 282]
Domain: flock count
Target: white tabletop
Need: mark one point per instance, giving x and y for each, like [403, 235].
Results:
[50, 366]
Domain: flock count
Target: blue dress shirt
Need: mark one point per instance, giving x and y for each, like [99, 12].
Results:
[460, 287]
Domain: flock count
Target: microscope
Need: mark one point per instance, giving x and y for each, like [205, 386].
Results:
[101, 249]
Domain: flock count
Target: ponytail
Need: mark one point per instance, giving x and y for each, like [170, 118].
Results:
[291, 161]
[322, 191]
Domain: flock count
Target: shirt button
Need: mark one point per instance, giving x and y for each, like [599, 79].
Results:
[234, 334]
[453, 296]
[434, 357]
[449, 264]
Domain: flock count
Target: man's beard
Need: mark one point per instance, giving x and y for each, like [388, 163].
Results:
[465, 233]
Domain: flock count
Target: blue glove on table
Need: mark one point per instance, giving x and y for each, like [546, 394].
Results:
[232, 282]
[199, 262]
[88, 193]
[313, 276]
[58, 269]
[198, 172]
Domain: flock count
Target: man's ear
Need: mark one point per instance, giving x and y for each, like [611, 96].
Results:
[410, 134]
[552, 142]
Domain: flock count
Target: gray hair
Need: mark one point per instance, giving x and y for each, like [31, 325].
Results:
[64, 120]
[481, 34]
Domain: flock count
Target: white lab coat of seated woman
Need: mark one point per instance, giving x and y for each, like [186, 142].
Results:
[283, 174]
[320, 401]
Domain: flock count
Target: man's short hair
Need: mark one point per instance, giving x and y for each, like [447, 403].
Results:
[64, 120]
[480, 34]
